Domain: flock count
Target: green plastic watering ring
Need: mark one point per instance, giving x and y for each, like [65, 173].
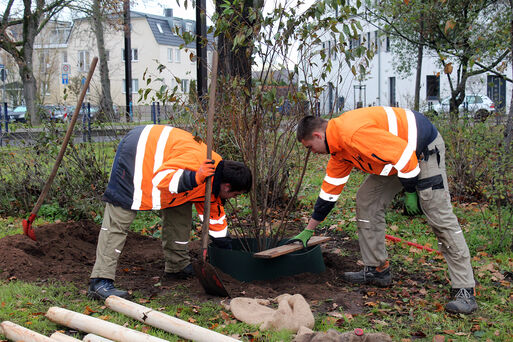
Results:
[242, 266]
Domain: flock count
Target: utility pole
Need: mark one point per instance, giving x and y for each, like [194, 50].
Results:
[128, 59]
[201, 51]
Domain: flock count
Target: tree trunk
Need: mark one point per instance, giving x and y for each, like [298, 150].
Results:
[29, 82]
[418, 76]
[106, 98]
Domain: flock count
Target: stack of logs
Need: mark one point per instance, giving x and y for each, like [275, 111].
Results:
[102, 331]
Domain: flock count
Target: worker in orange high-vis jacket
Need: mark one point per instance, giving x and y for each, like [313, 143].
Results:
[400, 149]
[159, 167]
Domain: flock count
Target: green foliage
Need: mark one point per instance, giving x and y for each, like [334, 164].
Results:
[78, 185]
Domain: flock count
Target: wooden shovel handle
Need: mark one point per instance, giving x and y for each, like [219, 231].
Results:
[48, 183]
[208, 183]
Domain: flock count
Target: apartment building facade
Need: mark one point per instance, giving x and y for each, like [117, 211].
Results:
[61, 66]
[383, 86]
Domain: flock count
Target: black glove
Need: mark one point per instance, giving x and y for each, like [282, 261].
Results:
[224, 242]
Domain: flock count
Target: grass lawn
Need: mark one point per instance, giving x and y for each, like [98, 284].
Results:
[412, 309]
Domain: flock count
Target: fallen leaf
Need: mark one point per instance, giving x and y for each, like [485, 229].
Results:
[88, 310]
[438, 338]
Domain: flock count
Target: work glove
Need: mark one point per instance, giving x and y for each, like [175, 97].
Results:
[303, 237]
[206, 169]
[411, 203]
[223, 242]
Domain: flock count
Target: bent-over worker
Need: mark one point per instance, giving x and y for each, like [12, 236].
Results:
[159, 167]
[400, 149]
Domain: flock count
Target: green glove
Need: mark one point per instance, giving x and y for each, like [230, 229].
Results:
[411, 203]
[303, 237]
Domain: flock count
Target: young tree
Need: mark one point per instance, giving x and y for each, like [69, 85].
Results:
[34, 16]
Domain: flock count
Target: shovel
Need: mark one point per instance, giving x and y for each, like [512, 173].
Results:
[205, 272]
[27, 224]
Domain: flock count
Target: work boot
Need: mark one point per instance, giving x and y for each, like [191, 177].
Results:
[464, 301]
[101, 289]
[378, 276]
[186, 272]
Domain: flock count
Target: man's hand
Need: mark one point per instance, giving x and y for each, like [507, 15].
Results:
[303, 237]
[411, 203]
[206, 169]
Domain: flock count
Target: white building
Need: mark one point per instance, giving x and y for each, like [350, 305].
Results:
[382, 85]
[154, 42]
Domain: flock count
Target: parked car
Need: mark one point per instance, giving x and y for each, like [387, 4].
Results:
[56, 112]
[18, 114]
[477, 106]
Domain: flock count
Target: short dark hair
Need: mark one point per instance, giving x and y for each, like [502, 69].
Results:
[307, 126]
[238, 175]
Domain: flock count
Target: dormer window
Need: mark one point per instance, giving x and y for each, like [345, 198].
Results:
[159, 26]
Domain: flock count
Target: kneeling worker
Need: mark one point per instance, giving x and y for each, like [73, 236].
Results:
[159, 167]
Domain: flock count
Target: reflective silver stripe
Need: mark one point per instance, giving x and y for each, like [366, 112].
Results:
[412, 141]
[155, 193]
[212, 221]
[117, 250]
[182, 242]
[173, 184]
[138, 167]
[218, 233]
[361, 220]
[410, 174]
[159, 157]
[336, 181]
[386, 170]
[220, 221]
[328, 197]
[103, 228]
[392, 120]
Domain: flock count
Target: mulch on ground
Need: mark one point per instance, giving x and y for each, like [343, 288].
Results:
[65, 252]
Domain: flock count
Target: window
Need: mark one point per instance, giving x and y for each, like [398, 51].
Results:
[170, 55]
[135, 85]
[391, 81]
[178, 55]
[388, 44]
[177, 27]
[160, 28]
[432, 87]
[135, 55]
[44, 88]
[44, 61]
[368, 40]
[376, 40]
[64, 57]
[83, 60]
[188, 27]
[185, 85]
[107, 55]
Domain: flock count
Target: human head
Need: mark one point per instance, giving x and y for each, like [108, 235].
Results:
[235, 177]
[311, 132]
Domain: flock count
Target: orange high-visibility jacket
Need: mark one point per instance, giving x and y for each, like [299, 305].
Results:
[155, 168]
[378, 140]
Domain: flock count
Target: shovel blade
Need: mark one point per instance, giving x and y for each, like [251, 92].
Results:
[209, 279]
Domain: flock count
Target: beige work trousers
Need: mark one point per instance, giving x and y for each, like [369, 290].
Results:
[376, 193]
[176, 228]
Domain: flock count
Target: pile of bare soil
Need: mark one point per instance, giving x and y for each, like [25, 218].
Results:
[65, 252]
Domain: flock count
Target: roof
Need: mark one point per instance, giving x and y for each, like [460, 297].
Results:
[167, 36]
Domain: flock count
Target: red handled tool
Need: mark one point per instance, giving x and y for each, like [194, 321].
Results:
[27, 224]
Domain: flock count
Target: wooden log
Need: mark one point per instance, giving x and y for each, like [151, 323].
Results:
[57, 336]
[97, 326]
[165, 322]
[286, 249]
[15, 332]
[95, 338]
